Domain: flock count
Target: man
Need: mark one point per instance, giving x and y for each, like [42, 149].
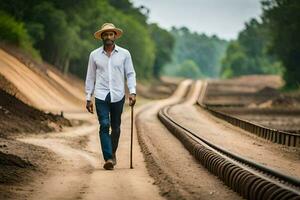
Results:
[108, 67]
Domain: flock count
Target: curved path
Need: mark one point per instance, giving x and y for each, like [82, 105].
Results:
[177, 173]
[282, 158]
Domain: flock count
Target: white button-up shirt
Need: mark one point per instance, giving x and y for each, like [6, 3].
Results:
[106, 74]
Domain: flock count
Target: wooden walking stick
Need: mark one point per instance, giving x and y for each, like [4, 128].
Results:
[131, 141]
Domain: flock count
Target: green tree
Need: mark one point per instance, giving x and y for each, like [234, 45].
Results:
[127, 8]
[205, 51]
[248, 55]
[63, 30]
[60, 39]
[189, 69]
[14, 32]
[283, 20]
[136, 38]
[164, 43]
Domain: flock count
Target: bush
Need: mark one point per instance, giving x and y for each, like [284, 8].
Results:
[13, 32]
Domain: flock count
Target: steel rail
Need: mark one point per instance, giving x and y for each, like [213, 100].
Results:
[250, 179]
[273, 135]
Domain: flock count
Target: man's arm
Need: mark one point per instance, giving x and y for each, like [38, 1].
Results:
[90, 83]
[131, 80]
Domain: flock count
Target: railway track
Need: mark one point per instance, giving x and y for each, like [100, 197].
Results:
[248, 178]
[273, 135]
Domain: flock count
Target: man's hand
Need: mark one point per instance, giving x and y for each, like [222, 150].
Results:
[89, 106]
[132, 99]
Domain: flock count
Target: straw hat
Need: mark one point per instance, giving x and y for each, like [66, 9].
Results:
[108, 27]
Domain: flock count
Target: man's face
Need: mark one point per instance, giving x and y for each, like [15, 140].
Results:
[108, 37]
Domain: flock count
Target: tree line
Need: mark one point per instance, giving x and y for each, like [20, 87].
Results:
[195, 55]
[61, 32]
[270, 45]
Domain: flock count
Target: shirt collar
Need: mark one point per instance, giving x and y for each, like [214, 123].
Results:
[116, 49]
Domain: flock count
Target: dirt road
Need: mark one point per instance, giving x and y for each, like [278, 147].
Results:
[177, 173]
[75, 171]
[78, 172]
[80, 175]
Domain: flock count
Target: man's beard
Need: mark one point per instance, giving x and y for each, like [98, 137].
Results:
[108, 42]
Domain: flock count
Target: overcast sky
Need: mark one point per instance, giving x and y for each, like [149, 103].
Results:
[225, 18]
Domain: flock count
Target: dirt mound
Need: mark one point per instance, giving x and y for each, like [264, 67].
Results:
[20, 164]
[274, 81]
[10, 163]
[268, 91]
[41, 85]
[157, 90]
[277, 100]
[288, 101]
[18, 117]
[12, 90]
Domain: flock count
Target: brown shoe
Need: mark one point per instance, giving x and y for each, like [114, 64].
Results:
[108, 165]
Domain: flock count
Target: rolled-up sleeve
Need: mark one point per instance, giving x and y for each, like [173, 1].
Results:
[130, 74]
[90, 78]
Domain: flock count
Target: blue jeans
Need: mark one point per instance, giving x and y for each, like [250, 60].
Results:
[109, 115]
